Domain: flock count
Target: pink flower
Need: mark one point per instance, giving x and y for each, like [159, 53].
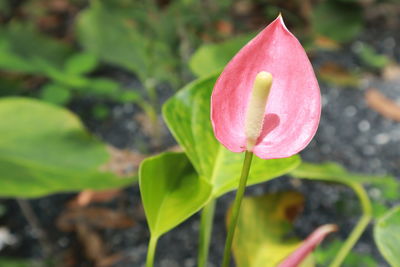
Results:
[308, 245]
[290, 111]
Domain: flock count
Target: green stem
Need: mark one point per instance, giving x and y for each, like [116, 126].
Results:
[206, 224]
[236, 208]
[360, 226]
[151, 250]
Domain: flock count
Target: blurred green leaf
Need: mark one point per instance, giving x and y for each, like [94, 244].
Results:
[113, 39]
[370, 57]
[264, 233]
[21, 46]
[103, 87]
[211, 58]
[387, 236]
[131, 39]
[81, 63]
[337, 20]
[45, 149]
[129, 96]
[187, 115]
[325, 255]
[100, 111]
[8, 262]
[5, 7]
[333, 172]
[55, 93]
[171, 191]
[379, 209]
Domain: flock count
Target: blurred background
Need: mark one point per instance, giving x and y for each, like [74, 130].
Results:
[82, 84]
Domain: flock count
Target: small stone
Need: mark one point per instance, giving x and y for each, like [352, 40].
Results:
[350, 111]
[382, 139]
[369, 150]
[364, 126]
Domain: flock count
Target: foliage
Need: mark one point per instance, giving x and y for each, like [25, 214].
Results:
[45, 149]
[323, 255]
[167, 182]
[338, 20]
[370, 57]
[187, 116]
[387, 236]
[210, 58]
[264, 234]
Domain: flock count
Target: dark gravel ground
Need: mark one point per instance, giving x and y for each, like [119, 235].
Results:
[350, 133]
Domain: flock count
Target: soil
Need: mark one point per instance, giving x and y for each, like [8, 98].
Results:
[350, 133]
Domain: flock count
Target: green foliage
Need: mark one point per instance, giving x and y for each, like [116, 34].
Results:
[324, 256]
[333, 172]
[99, 29]
[339, 21]
[264, 234]
[171, 191]
[81, 63]
[211, 58]
[387, 236]
[113, 39]
[45, 149]
[23, 48]
[187, 116]
[370, 57]
[7, 262]
[55, 93]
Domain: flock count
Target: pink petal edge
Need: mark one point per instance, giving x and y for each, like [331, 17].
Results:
[294, 105]
[308, 246]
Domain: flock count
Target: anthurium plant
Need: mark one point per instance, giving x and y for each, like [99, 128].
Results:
[266, 102]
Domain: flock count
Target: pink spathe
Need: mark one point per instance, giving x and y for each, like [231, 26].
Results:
[293, 109]
[308, 245]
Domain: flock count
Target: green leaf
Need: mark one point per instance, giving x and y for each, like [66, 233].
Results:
[333, 172]
[55, 93]
[100, 111]
[264, 233]
[171, 191]
[8, 262]
[45, 149]
[188, 117]
[338, 21]
[81, 63]
[324, 256]
[387, 236]
[210, 58]
[129, 96]
[104, 87]
[21, 45]
[370, 57]
[113, 39]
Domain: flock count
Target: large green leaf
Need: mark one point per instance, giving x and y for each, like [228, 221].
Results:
[45, 149]
[210, 58]
[171, 191]
[188, 117]
[387, 236]
[264, 233]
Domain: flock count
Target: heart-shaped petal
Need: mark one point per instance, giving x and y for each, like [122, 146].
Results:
[293, 109]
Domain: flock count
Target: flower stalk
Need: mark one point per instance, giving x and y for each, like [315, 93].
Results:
[236, 208]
